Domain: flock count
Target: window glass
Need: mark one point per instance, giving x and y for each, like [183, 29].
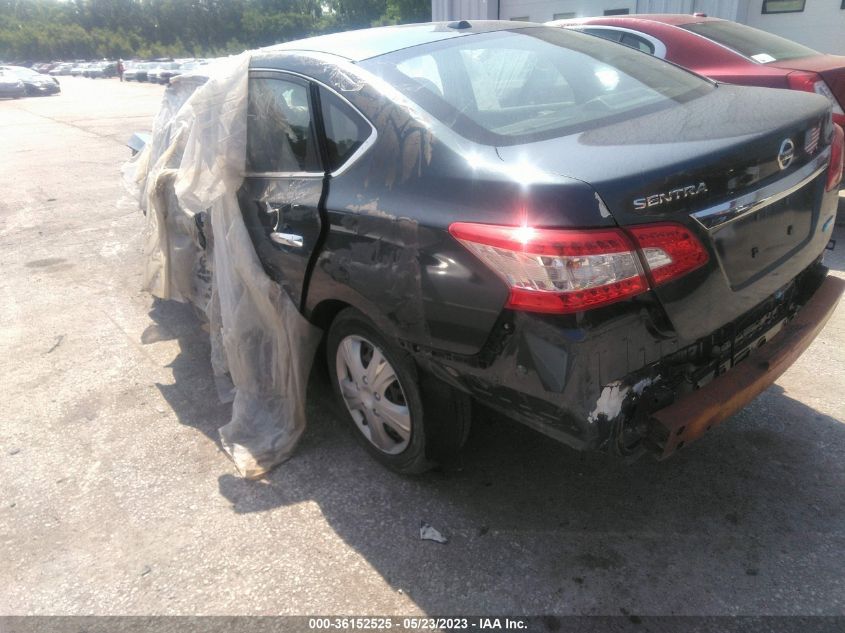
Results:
[532, 83]
[503, 78]
[607, 34]
[783, 6]
[629, 39]
[758, 45]
[346, 131]
[617, 11]
[23, 72]
[523, 18]
[570, 14]
[423, 69]
[280, 133]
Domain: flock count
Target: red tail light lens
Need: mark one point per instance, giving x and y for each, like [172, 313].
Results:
[556, 271]
[811, 82]
[837, 159]
[670, 250]
[564, 271]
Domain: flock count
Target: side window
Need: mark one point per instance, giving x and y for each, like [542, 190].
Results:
[346, 131]
[634, 41]
[607, 34]
[280, 132]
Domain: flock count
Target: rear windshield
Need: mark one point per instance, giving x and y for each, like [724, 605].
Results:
[758, 45]
[23, 73]
[528, 84]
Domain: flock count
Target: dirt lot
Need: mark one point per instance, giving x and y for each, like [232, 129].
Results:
[116, 499]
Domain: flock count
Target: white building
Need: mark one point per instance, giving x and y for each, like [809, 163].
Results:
[819, 24]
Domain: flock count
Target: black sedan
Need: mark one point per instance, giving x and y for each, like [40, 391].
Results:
[35, 83]
[603, 246]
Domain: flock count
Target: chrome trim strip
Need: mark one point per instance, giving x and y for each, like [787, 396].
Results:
[717, 216]
[366, 145]
[287, 239]
[284, 174]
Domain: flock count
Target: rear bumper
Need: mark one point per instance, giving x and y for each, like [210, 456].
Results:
[694, 414]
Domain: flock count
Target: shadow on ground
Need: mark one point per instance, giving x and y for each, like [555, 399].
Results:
[737, 523]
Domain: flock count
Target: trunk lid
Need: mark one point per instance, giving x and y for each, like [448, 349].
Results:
[697, 164]
[831, 68]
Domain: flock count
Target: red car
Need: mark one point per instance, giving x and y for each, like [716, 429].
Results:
[726, 51]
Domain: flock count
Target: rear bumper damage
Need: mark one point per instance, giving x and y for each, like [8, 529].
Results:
[691, 416]
[618, 385]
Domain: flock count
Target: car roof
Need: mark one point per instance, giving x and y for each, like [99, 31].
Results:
[675, 19]
[366, 43]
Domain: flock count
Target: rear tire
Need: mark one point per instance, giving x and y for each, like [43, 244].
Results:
[377, 385]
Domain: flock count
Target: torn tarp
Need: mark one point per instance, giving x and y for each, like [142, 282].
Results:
[197, 250]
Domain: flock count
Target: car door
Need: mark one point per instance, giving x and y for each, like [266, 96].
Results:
[285, 180]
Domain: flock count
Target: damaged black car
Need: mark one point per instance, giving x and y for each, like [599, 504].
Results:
[603, 246]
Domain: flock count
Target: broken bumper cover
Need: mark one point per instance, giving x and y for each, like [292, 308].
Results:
[694, 414]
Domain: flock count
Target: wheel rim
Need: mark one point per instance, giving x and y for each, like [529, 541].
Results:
[373, 395]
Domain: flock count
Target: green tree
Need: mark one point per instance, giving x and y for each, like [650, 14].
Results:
[43, 30]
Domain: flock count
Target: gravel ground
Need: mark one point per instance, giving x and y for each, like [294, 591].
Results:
[115, 497]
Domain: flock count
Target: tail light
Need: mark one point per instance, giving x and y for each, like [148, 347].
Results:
[564, 271]
[669, 250]
[811, 82]
[837, 159]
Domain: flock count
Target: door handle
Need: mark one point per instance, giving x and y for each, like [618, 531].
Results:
[287, 239]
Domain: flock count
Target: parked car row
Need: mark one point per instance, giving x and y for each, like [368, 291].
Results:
[42, 67]
[614, 251]
[79, 68]
[57, 70]
[160, 71]
[17, 81]
[153, 71]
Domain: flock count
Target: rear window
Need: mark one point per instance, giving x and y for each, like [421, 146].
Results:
[758, 45]
[24, 73]
[529, 84]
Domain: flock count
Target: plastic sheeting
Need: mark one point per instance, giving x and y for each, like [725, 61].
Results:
[197, 249]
